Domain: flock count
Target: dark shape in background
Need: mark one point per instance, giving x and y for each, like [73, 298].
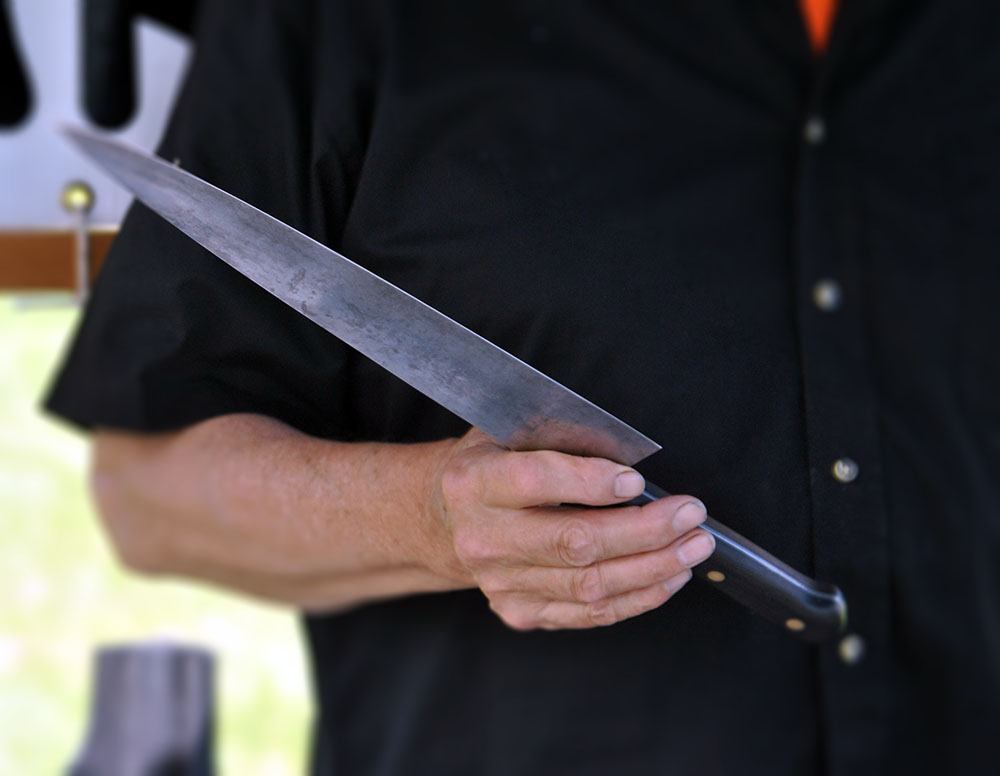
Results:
[152, 713]
[109, 89]
[15, 93]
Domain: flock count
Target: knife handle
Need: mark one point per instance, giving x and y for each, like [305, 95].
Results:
[811, 611]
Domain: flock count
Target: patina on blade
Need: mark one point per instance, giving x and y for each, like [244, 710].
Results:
[508, 399]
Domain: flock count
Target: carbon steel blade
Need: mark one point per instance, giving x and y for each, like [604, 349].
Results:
[511, 401]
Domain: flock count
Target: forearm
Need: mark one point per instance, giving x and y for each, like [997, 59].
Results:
[249, 503]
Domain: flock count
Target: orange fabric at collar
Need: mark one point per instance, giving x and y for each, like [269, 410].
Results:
[819, 16]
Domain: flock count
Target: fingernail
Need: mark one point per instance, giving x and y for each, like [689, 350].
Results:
[690, 515]
[696, 549]
[677, 581]
[629, 484]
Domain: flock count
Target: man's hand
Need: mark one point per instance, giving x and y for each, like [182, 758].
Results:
[249, 503]
[544, 565]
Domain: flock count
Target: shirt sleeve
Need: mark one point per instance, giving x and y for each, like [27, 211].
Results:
[172, 335]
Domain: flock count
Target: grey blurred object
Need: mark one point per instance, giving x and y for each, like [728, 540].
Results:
[151, 714]
[109, 91]
[15, 94]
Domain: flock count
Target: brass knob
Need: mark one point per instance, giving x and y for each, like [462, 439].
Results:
[77, 197]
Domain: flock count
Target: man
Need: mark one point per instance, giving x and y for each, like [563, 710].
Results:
[777, 264]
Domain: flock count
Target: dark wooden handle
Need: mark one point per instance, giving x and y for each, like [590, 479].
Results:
[809, 610]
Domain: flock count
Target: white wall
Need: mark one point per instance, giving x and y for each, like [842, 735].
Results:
[35, 162]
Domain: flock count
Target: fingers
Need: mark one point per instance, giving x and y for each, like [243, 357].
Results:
[546, 477]
[542, 565]
[528, 595]
[526, 614]
[576, 538]
[504, 479]
[607, 579]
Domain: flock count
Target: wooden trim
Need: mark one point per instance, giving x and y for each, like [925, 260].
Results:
[45, 260]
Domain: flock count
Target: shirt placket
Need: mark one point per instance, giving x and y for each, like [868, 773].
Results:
[850, 533]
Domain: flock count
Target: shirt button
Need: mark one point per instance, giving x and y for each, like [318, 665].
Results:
[814, 130]
[845, 470]
[851, 649]
[827, 295]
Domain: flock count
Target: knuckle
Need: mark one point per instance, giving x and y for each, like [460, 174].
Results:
[548, 618]
[588, 584]
[471, 546]
[646, 601]
[575, 543]
[458, 481]
[601, 613]
[659, 522]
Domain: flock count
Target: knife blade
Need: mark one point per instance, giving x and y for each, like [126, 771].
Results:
[511, 401]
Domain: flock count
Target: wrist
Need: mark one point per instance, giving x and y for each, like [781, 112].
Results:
[436, 541]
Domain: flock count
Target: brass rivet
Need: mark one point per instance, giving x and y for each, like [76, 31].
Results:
[795, 624]
[716, 576]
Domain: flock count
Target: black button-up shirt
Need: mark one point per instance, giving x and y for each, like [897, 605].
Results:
[784, 269]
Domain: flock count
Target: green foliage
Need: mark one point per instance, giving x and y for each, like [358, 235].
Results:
[62, 595]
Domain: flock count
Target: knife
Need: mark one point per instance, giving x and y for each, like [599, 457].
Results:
[514, 403]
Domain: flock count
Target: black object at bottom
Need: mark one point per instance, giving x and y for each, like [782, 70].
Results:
[152, 713]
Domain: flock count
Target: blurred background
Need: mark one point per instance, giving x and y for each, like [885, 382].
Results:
[113, 65]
